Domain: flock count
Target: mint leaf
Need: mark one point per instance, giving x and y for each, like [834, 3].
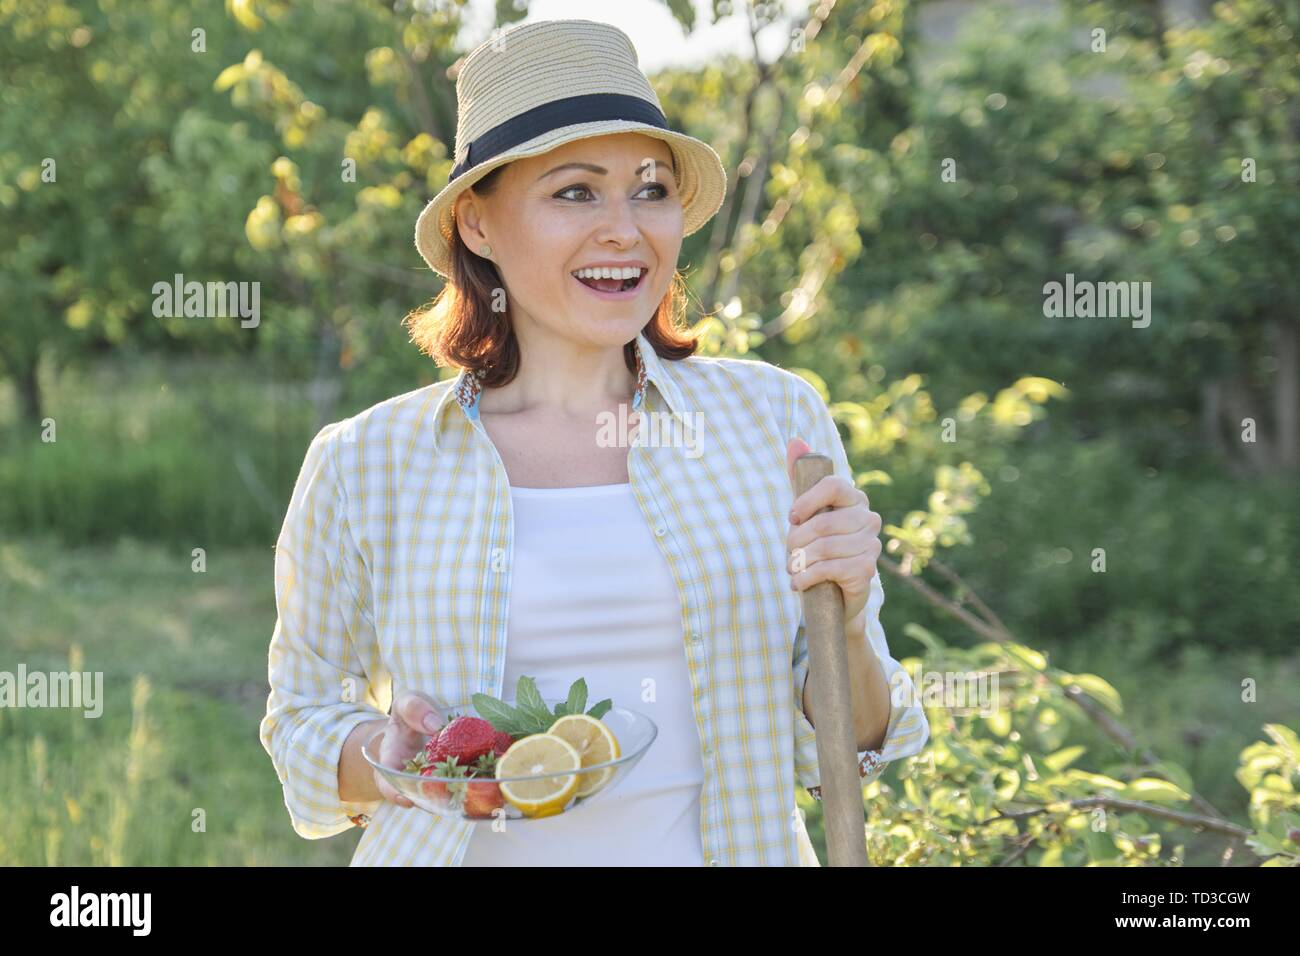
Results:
[529, 701]
[498, 713]
[577, 701]
[530, 714]
[515, 728]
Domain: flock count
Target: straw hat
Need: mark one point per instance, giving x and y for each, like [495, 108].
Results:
[540, 85]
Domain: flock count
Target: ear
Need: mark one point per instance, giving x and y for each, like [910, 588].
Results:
[468, 216]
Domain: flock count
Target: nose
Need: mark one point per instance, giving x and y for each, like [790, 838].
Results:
[619, 223]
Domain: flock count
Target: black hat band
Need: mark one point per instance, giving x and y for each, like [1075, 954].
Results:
[588, 108]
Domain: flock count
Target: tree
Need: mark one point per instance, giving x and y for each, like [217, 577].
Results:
[92, 96]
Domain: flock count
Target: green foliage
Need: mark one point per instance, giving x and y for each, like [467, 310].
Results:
[94, 92]
[1181, 547]
[1016, 774]
[530, 715]
[1271, 773]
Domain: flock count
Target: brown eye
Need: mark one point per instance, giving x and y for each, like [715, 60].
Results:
[571, 189]
[663, 191]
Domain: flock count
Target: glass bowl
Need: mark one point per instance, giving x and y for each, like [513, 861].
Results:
[480, 800]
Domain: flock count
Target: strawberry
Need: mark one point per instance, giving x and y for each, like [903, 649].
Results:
[437, 789]
[433, 752]
[501, 743]
[416, 764]
[484, 766]
[433, 789]
[484, 797]
[466, 738]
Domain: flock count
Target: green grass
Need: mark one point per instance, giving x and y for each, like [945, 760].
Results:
[190, 451]
[183, 656]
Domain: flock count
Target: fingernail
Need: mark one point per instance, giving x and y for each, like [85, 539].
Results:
[431, 723]
[794, 518]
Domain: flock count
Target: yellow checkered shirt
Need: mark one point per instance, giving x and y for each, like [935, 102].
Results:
[392, 572]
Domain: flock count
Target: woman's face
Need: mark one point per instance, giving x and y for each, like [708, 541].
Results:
[620, 205]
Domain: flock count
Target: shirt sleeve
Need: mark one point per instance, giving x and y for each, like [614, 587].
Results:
[908, 729]
[323, 643]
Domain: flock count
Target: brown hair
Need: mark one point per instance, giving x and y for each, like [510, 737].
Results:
[461, 329]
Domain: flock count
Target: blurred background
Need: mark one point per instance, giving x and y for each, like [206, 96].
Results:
[1102, 510]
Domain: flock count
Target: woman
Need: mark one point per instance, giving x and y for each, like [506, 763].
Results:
[525, 519]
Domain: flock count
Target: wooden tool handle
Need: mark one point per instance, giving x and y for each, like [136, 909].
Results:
[829, 687]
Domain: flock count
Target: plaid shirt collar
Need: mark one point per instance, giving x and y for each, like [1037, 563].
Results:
[467, 389]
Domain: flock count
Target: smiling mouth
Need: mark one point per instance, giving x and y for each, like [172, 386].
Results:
[611, 285]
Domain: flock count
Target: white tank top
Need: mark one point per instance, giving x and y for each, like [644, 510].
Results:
[592, 596]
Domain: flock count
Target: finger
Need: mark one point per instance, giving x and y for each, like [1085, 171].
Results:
[419, 712]
[833, 491]
[852, 574]
[392, 754]
[399, 744]
[374, 747]
[839, 521]
[830, 546]
[795, 449]
[388, 793]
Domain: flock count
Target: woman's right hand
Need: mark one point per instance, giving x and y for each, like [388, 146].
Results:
[413, 718]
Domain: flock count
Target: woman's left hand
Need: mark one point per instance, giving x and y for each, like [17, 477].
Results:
[841, 545]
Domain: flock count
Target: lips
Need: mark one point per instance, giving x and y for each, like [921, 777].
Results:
[611, 285]
[613, 288]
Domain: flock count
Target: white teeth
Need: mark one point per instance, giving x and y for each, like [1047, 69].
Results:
[631, 272]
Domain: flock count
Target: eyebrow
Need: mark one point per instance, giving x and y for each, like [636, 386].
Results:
[599, 170]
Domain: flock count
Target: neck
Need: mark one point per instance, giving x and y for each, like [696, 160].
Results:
[562, 376]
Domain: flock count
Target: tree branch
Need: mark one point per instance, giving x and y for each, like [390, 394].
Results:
[1193, 820]
[1111, 727]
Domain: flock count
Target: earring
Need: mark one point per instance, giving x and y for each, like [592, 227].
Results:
[485, 250]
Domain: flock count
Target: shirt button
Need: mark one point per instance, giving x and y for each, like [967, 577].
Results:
[660, 530]
[713, 861]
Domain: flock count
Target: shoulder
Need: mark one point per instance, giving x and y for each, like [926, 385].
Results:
[399, 422]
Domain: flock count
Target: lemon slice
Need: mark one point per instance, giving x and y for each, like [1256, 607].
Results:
[537, 754]
[595, 743]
